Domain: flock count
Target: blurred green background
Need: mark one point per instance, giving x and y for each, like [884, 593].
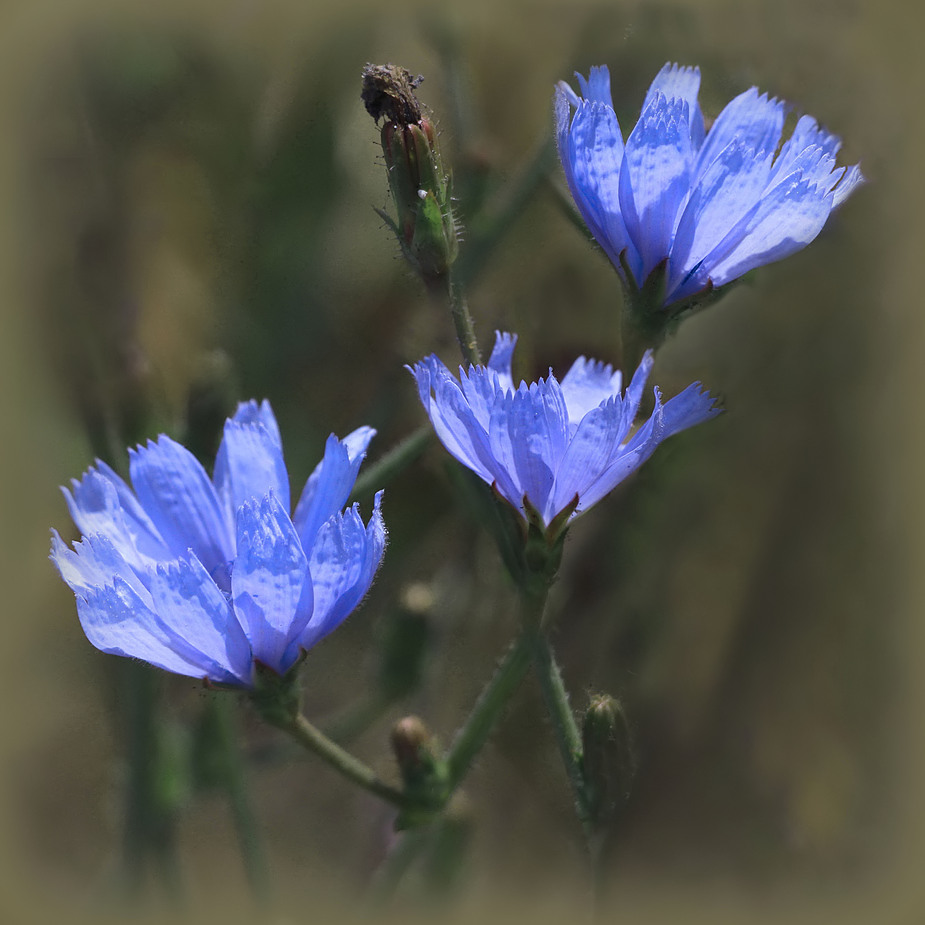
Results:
[188, 211]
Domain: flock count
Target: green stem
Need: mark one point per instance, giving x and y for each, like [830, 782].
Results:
[409, 845]
[252, 854]
[339, 759]
[488, 708]
[394, 462]
[448, 288]
[568, 735]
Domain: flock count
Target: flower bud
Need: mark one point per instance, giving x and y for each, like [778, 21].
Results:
[425, 226]
[422, 770]
[608, 763]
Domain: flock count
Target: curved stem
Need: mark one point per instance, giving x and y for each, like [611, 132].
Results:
[568, 735]
[242, 812]
[477, 728]
[339, 759]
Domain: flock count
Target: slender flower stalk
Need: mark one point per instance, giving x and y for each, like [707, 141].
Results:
[567, 733]
[342, 761]
[682, 210]
[474, 733]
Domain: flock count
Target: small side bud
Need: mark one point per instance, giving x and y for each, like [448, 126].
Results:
[608, 763]
[424, 225]
[422, 768]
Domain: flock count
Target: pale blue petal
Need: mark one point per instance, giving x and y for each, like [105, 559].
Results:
[729, 189]
[807, 134]
[456, 425]
[655, 178]
[586, 385]
[480, 386]
[637, 385]
[117, 621]
[250, 459]
[329, 486]
[752, 119]
[592, 154]
[189, 602]
[849, 182]
[177, 495]
[101, 503]
[268, 578]
[676, 82]
[500, 360]
[529, 435]
[688, 408]
[596, 89]
[589, 452]
[785, 221]
[343, 564]
[94, 562]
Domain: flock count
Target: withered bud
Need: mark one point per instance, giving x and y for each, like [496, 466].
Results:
[388, 92]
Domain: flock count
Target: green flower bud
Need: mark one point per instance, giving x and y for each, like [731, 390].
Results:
[420, 187]
[422, 768]
[608, 763]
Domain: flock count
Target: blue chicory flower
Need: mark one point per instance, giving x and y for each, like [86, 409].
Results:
[550, 445]
[204, 577]
[712, 204]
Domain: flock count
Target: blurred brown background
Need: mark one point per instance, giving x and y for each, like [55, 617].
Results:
[187, 205]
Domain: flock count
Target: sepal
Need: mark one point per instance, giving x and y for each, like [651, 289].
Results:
[276, 697]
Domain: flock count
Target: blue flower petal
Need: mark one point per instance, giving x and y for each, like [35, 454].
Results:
[500, 360]
[591, 149]
[177, 495]
[250, 459]
[676, 82]
[268, 580]
[729, 189]
[343, 564]
[94, 562]
[528, 434]
[101, 503]
[785, 221]
[753, 120]
[456, 423]
[586, 385]
[329, 486]
[589, 453]
[637, 385]
[189, 602]
[596, 89]
[118, 621]
[655, 178]
[849, 182]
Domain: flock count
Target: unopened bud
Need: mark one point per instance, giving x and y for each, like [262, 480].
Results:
[425, 226]
[608, 763]
[422, 769]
